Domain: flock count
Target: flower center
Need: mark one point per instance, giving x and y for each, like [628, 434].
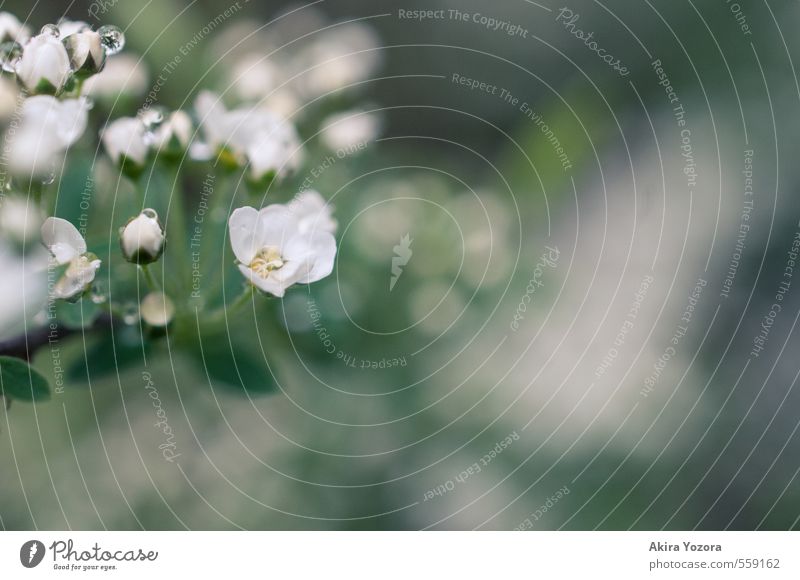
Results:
[267, 260]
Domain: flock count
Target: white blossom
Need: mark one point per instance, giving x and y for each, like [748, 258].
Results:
[142, 238]
[350, 130]
[20, 218]
[44, 66]
[68, 248]
[12, 30]
[175, 133]
[253, 135]
[48, 127]
[273, 254]
[125, 139]
[23, 288]
[86, 52]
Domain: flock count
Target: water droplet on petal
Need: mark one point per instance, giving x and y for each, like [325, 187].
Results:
[51, 30]
[10, 53]
[112, 38]
[49, 177]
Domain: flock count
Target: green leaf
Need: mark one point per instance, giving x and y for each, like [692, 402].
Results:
[19, 381]
[81, 314]
[110, 357]
[233, 368]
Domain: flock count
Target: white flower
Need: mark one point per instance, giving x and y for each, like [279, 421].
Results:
[273, 254]
[253, 135]
[253, 77]
[67, 246]
[340, 57]
[125, 74]
[142, 239]
[44, 66]
[20, 218]
[23, 288]
[157, 309]
[11, 29]
[174, 134]
[350, 131]
[69, 27]
[86, 52]
[313, 213]
[48, 127]
[275, 153]
[126, 140]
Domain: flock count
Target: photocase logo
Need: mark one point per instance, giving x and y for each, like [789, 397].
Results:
[402, 254]
[31, 553]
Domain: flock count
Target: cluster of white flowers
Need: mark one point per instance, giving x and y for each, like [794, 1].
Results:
[58, 69]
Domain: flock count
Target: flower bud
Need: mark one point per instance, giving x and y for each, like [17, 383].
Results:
[126, 143]
[44, 66]
[11, 29]
[86, 53]
[173, 135]
[157, 309]
[142, 239]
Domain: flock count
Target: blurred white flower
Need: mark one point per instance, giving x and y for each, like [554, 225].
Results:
[174, 134]
[23, 288]
[125, 140]
[350, 130]
[48, 127]
[340, 57]
[9, 93]
[20, 218]
[273, 254]
[157, 309]
[125, 74]
[87, 55]
[253, 77]
[12, 30]
[313, 213]
[142, 238]
[67, 247]
[253, 135]
[44, 66]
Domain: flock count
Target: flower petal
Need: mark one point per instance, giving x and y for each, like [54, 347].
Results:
[63, 239]
[272, 285]
[318, 250]
[276, 226]
[242, 229]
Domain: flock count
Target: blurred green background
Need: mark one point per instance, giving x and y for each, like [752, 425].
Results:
[423, 406]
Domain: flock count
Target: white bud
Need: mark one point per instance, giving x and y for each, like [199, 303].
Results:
[44, 66]
[125, 141]
[86, 53]
[157, 309]
[142, 239]
[174, 134]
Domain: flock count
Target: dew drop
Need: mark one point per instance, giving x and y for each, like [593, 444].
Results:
[10, 53]
[112, 38]
[50, 30]
[98, 298]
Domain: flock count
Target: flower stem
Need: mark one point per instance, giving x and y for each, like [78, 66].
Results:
[230, 309]
[149, 278]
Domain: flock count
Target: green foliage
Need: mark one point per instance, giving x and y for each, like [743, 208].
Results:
[19, 381]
